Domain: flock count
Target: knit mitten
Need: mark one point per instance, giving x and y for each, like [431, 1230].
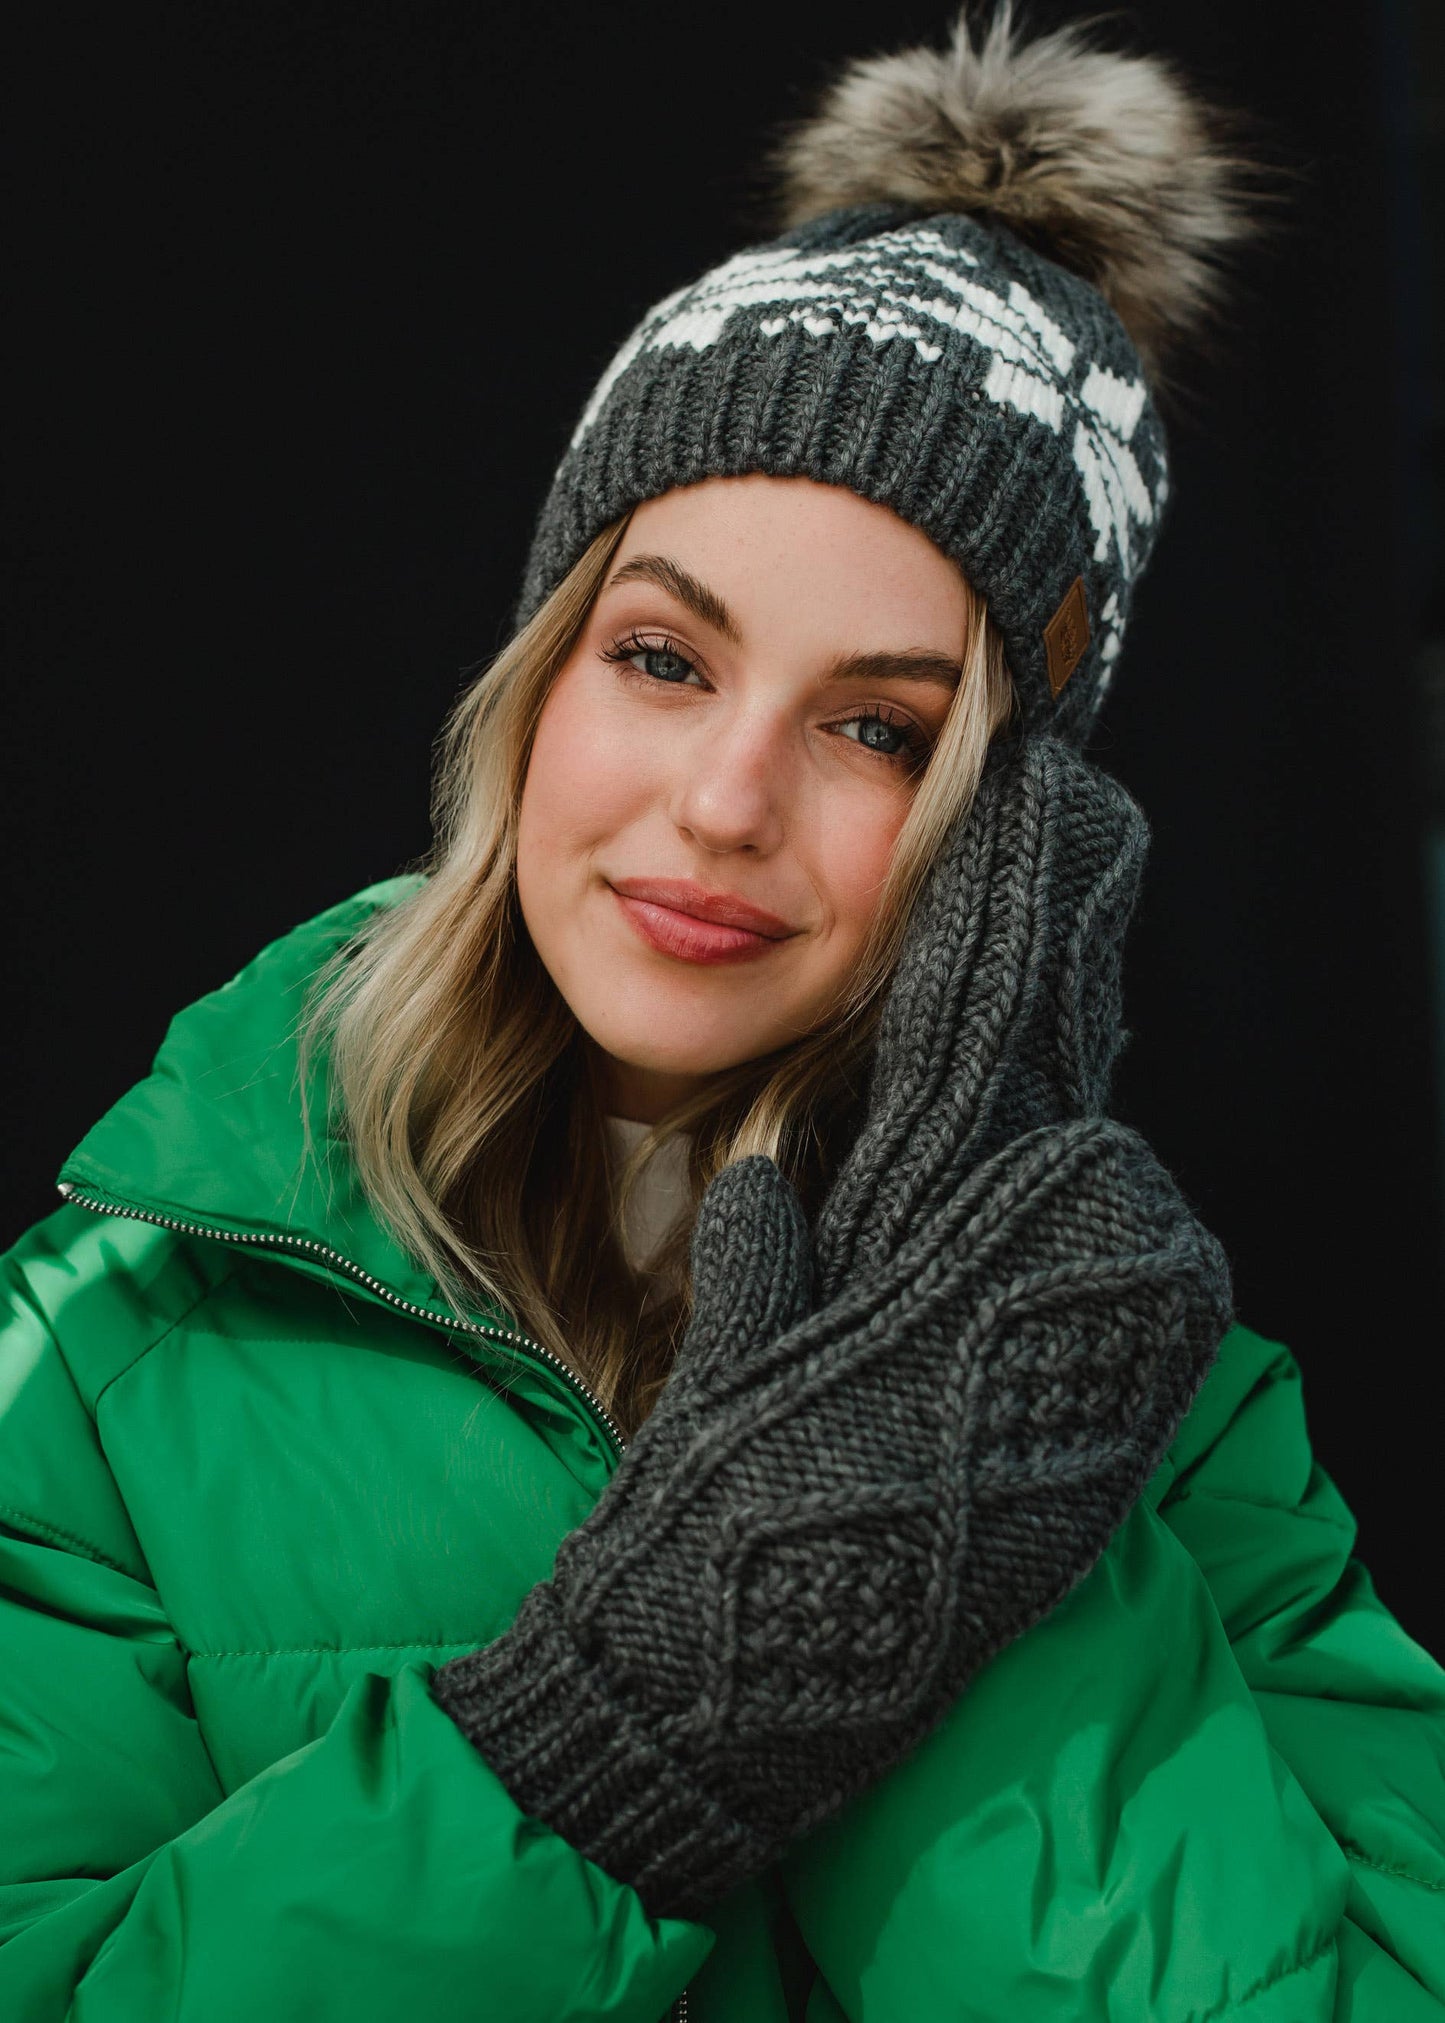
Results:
[847, 1500]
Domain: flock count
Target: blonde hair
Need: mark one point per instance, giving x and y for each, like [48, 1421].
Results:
[463, 1081]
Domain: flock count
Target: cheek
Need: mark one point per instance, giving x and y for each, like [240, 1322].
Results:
[577, 784]
[849, 877]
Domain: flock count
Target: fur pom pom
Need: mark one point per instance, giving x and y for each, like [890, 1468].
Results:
[1107, 163]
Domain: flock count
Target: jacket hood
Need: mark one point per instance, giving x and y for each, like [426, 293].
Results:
[212, 1140]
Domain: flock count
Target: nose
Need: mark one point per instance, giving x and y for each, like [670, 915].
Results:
[731, 790]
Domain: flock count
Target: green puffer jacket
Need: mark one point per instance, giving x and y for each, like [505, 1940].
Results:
[255, 1486]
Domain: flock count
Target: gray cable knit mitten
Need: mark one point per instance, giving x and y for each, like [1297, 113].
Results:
[888, 1449]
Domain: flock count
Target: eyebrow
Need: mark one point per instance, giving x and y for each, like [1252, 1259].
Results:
[711, 610]
[681, 584]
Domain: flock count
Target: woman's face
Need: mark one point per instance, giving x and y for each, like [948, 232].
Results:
[744, 716]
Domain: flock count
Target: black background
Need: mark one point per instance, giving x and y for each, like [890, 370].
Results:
[309, 298]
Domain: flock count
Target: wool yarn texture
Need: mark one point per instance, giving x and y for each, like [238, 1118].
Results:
[987, 251]
[894, 1442]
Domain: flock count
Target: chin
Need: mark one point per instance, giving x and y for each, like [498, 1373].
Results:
[639, 1050]
[682, 1065]
[635, 1026]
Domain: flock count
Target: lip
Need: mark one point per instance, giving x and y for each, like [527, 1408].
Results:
[726, 909]
[689, 936]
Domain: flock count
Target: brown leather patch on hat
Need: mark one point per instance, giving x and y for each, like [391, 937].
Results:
[1067, 634]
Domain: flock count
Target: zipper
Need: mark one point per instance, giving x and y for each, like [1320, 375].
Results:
[513, 1340]
[324, 1254]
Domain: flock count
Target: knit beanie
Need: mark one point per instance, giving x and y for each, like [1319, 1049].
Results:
[986, 254]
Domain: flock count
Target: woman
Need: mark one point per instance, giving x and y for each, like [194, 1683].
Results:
[864, 1572]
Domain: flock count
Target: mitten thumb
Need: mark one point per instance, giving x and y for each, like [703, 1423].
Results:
[752, 1264]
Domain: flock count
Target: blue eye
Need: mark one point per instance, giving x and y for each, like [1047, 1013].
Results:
[901, 743]
[912, 745]
[866, 724]
[664, 662]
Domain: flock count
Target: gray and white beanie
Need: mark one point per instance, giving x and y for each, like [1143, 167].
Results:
[986, 251]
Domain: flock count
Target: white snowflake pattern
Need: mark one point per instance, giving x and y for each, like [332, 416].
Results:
[912, 286]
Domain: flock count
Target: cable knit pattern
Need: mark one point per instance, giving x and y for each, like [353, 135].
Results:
[895, 1442]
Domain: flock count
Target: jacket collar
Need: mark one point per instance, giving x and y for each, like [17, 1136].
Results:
[212, 1139]
[212, 1143]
